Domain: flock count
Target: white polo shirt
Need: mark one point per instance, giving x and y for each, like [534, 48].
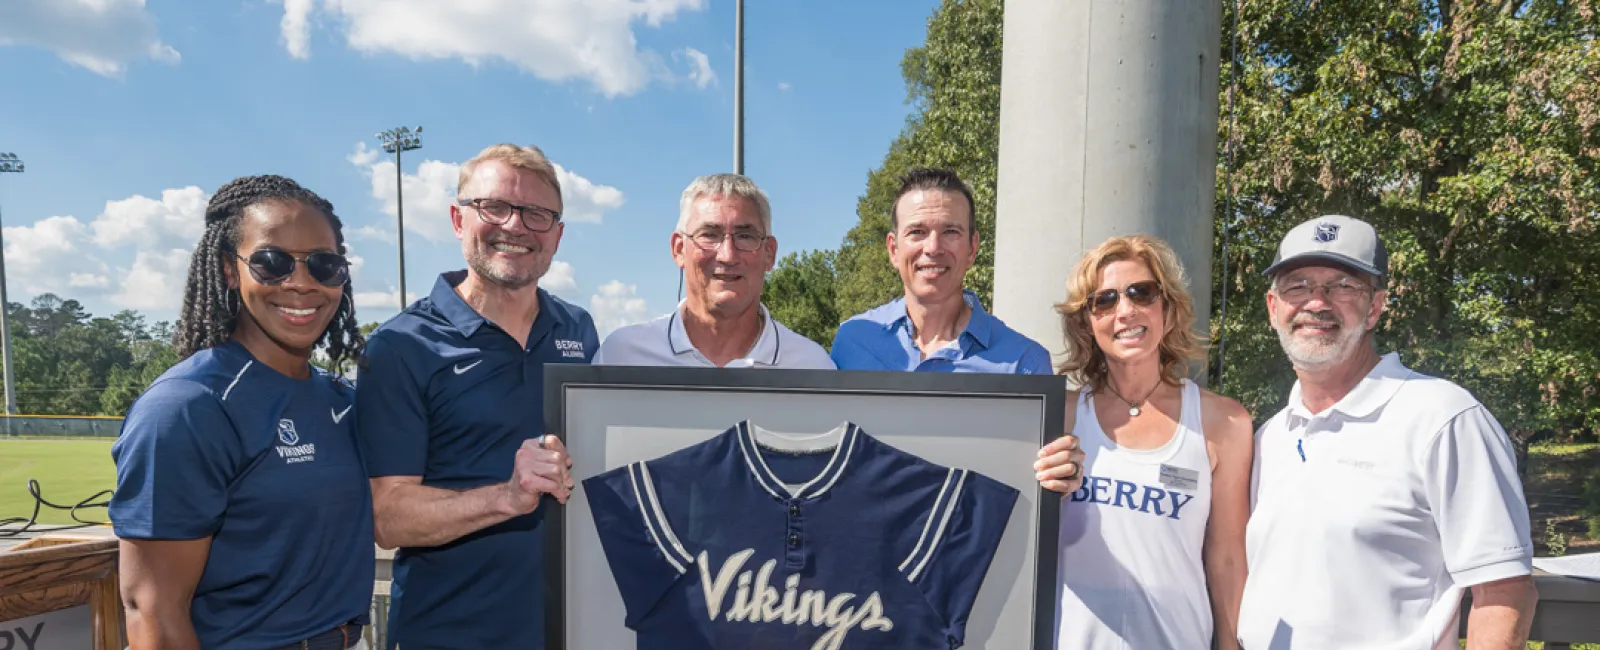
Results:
[663, 342]
[1406, 494]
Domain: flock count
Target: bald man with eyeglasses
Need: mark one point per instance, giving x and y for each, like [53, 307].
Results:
[724, 244]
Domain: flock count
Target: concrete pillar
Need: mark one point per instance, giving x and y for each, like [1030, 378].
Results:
[1108, 126]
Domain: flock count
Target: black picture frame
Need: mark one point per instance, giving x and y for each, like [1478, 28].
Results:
[1049, 390]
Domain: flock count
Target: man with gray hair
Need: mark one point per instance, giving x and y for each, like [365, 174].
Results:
[724, 244]
[1380, 493]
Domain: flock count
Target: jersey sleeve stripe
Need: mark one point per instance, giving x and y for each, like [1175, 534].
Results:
[836, 465]
[762, 474]
[236, 379]
[660, 515]
[645, 513]
[927, 524]
[944, 523]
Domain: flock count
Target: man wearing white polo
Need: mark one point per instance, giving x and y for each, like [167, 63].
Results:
[724, 244]
[1380, 493]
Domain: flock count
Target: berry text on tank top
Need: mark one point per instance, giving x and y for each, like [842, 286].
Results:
[1149, 499]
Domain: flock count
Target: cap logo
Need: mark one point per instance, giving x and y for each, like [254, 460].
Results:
[1326, 232]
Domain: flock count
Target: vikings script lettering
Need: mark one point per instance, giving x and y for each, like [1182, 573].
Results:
[756, 600]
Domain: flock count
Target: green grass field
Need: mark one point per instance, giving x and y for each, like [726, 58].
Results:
[68, 471]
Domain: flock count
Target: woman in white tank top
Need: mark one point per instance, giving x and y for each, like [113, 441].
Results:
[1151, 550]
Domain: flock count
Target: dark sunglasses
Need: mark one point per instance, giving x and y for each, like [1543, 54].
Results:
[271, 266]
[1142, 294]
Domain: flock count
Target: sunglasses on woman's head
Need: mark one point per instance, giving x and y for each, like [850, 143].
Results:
[1142, 294]
[271, 266]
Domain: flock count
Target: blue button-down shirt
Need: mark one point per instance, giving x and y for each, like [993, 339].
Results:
[448, 396]
[882, 339]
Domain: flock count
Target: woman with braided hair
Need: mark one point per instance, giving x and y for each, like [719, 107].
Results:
[242, 502]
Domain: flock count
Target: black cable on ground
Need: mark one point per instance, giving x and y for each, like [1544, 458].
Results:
[16, 526]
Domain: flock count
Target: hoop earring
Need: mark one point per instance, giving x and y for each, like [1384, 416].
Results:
[347, 306]
[232, 302]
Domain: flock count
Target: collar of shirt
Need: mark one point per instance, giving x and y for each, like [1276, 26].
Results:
[764, 352]
[979, 327]
[468, 321]
[1371, 394]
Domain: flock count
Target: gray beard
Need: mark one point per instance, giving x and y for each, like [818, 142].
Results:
[501, 276]
[1309, 356]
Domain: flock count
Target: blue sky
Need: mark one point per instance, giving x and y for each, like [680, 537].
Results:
[129, 113]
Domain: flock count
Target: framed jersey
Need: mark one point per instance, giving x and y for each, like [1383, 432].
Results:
[803, 509]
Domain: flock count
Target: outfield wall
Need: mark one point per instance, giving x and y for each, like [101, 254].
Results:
[64, 426]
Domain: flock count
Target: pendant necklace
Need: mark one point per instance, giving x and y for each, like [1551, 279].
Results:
[1134, 408]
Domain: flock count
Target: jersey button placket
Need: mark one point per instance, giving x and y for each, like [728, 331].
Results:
[794, 557]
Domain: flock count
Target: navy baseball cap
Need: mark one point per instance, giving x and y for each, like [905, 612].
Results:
[1334, 238]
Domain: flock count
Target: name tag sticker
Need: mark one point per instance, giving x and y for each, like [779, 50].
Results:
[1179, 478]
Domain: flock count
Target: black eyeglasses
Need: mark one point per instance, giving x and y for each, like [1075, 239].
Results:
[1142, 294]
[271, 266]
[497, 212]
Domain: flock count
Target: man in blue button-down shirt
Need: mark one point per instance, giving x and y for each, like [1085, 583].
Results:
[938, 326]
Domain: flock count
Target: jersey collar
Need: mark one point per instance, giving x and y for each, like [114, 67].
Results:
[765, 351]
[842, 440]
[1372, 393]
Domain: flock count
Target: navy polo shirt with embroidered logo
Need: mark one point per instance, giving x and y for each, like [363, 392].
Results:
[266, 465]
[448, 396]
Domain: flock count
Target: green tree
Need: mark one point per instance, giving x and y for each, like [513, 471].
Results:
[800, 293]
[1465, 132]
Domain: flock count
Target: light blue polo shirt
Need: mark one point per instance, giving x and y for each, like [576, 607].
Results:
[882, 339]
[449, 396]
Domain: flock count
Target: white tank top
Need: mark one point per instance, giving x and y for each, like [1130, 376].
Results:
[1131, 574]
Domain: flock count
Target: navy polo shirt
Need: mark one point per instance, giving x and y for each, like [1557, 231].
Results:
[266, 465]
[882, 339]
[448, 396]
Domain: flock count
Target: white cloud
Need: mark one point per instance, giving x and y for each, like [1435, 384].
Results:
[373, 233]
[700, 73]
[382, 301]
[156, 280]
[102, 36]
[296, 27]
[616, 305]
[554, 40]
[362, 156]
[582, 200]
[37, 254]
[784, 86]
[178, 219]
[65, 256]
[559, 278]
[430, 191]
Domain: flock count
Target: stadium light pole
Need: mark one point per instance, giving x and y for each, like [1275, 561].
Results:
[9, 162]
[738, 102]
[738, 88]
[396, 141]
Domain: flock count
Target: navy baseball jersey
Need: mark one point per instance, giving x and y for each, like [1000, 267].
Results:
[223, 446]
[760, 540]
